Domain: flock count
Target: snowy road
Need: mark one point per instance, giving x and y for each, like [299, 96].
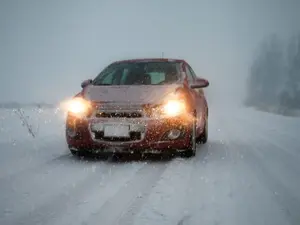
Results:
[247, 174]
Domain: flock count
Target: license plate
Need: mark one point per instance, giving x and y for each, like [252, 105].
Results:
[116, 131]
[97, 127]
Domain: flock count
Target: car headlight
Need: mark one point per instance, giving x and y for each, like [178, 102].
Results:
[174, 108]
[78, 106]
[170, 108]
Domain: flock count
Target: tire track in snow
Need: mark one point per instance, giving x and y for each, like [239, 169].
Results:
[225, 190]
[281, 147]
[280, 181]
[164, 205]
[72, 195]
[35, 187]
[276, 201]
[268, 149]
[32, 156]
[211, 187]
[121, 208]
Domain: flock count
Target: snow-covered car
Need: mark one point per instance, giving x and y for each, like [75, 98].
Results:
[139, 105]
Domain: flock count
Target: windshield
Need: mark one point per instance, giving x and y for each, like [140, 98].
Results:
[139, 73]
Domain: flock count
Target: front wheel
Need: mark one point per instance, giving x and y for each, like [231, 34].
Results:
[76, 153]
[204, 135]
[192, 149]
[73, 152]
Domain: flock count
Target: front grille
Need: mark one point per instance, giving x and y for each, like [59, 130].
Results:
[134, 136]
[119, 114]
[118, 110]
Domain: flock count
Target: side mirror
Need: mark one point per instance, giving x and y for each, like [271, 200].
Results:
[86, 83]
[200, 83]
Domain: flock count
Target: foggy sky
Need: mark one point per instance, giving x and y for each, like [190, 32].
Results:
[48, 47]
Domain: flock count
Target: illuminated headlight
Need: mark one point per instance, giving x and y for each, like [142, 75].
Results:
[174, 108]
[78, 106]
[170, 108]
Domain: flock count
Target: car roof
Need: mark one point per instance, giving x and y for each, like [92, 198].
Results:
[151, 60]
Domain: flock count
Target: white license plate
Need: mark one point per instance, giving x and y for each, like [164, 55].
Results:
[116, 131]
[97, 127]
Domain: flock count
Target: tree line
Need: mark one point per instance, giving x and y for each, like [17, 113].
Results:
[274, 76]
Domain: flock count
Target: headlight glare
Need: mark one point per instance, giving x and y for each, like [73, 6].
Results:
[169, 109]
[78, 106]
[174, 108]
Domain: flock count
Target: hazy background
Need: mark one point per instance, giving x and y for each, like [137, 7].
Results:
[48, 47]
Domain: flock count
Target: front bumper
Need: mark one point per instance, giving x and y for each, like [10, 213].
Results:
[146, 134]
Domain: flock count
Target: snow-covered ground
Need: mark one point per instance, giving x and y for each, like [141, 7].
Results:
[247, 174]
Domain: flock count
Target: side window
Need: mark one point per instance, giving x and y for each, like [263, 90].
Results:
[200, 90]
[124, 76]
[108, 79]
[112, 78]
[189, 74]
[193, 73]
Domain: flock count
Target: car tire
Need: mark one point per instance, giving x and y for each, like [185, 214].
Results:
[76, 153]
[192, 149]
[202, 139]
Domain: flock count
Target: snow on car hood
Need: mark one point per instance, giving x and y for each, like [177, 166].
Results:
[143, 94]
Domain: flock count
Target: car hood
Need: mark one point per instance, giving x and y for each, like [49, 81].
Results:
[142, 94]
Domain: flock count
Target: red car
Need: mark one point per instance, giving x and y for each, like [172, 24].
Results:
[141, 105]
